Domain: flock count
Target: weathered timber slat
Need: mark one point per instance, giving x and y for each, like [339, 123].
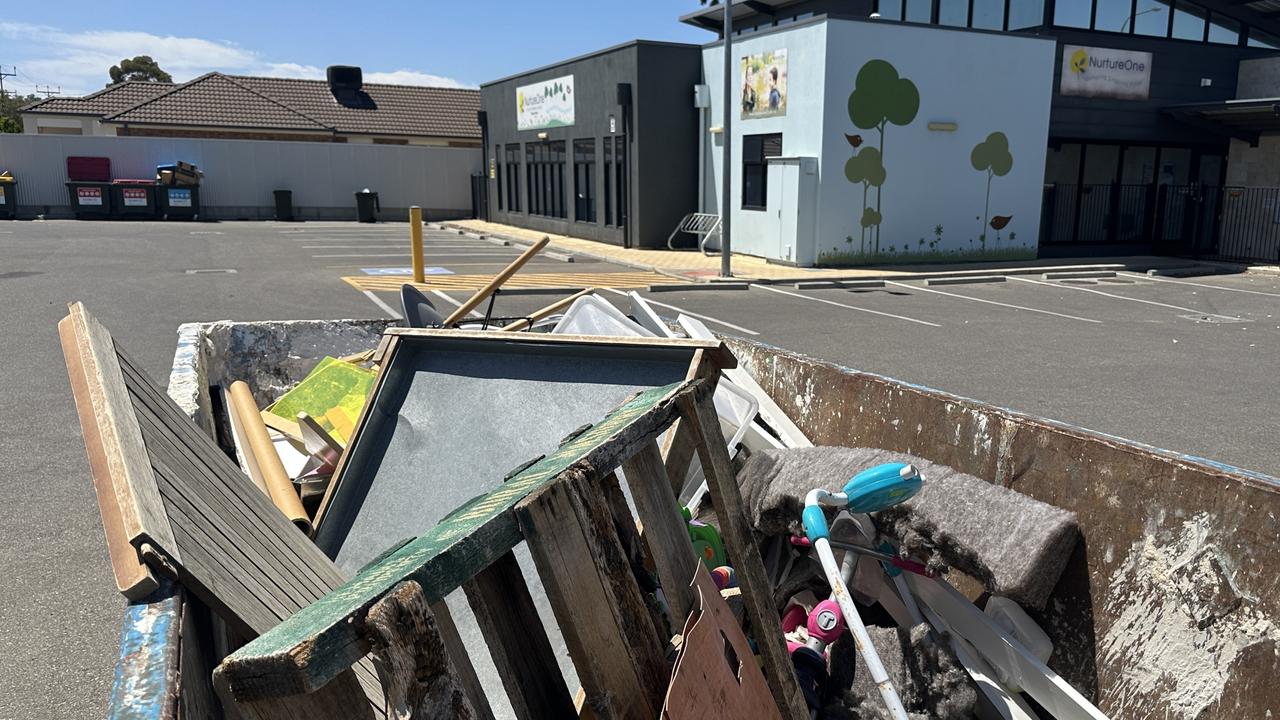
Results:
[700, 415]
[570, 534]
[321, 640]
[518, 644]
[664, 528]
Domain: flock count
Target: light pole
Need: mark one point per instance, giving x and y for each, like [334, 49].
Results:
[727, 134]
[1144, 12]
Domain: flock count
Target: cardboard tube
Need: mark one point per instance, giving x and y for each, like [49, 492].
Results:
[496, 282]
[523, 323]
[258, 443]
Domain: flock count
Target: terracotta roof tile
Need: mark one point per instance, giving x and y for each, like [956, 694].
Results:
[235, 101]
[108, 101]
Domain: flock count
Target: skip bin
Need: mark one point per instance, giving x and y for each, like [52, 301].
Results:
[133, 199]
[367, 206]
[1178, 588]
[178, 202]
[8, 199]
[90, 200]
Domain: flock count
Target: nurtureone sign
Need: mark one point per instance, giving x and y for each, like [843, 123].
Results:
[1105, 73]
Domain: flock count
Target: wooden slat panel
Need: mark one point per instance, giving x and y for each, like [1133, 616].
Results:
[322, 639]
[700, 416]
[228, 544]
[141, 510]
[518, 642]
[665, 531]
[606, 626]
[133, 578]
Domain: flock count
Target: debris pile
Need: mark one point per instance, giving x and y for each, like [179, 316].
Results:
[603, 467]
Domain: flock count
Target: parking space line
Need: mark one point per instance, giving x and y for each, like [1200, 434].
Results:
[700, 316]
[994, 302]
[385, 307]
[445, 296]
[1120, 297]
[1196, 284]
[843, 305]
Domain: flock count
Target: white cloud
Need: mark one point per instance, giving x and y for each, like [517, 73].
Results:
[78, 61]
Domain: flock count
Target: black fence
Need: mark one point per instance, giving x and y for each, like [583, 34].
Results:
[1227, 223]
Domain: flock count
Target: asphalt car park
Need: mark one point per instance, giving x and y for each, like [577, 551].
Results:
[1178, 362]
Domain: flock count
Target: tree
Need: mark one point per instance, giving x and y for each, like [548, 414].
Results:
[991, 156]
[141, 68]
[865, 167]
[10, 122]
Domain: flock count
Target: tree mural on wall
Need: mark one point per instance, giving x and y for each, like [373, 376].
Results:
[879, 98]
[865, 167]
[992, 156]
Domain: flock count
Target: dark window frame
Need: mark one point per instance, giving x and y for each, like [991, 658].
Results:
[755, 153]
[584, 180]
[513, 177]
[497, 174]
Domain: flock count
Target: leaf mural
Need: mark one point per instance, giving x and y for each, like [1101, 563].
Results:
[879, 98]
[991, 156]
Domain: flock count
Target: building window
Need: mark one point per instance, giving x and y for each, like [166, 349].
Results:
[1112, 15]
[919, 11]
[988, 14]
[544, 178]
[584, 180]
[755, 171]
[953, 12]
[1259, 39]
[1152, 18]
[513, 177]
[1223, 30]
[1072, 13]
[1025, 14]
[620, 179]
[1188, 21]
[889, 9]
[497, 173]
[608, 181]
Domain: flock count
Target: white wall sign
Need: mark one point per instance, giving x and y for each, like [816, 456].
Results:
[1105, 73]
[545, 104]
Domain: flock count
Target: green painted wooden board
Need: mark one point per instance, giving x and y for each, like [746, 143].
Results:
[304, 652]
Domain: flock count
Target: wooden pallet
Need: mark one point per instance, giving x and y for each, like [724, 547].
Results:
[566, 509]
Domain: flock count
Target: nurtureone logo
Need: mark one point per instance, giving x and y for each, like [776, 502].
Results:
[1081, 61]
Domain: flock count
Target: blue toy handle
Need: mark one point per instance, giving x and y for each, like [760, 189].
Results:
[882, 486]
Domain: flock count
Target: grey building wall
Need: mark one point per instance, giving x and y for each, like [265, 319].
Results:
[1176, 70]
[240, 175]
[661, 138]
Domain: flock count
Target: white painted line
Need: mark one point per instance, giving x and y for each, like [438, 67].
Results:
[1203, 285]
[441, 294]
[708, 318]
[843, 305]
[390, 311]
[1120, 297]
[993, 302]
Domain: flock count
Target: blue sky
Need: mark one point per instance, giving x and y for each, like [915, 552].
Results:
[433, 42]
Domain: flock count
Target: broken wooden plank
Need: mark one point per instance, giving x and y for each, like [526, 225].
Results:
[342, 699]
[320, 641]
[665, 531]
[680, 444]
[462, 669]
[518, 642]
[104, 403]
[570, 534]
[699, 414]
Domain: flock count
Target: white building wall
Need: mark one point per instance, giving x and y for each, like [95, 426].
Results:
[240, 175]
[978, 82]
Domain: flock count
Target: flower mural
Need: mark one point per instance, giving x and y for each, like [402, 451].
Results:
[992, 156]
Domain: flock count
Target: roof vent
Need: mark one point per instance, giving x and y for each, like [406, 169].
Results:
[344, 78]
[346, 82]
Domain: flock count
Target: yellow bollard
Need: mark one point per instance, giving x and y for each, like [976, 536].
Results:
[415, 233]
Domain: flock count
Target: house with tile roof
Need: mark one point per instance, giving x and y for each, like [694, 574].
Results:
[340, 109]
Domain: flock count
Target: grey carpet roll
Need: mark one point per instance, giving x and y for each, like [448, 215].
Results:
[1014, 545]
[929, 679]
